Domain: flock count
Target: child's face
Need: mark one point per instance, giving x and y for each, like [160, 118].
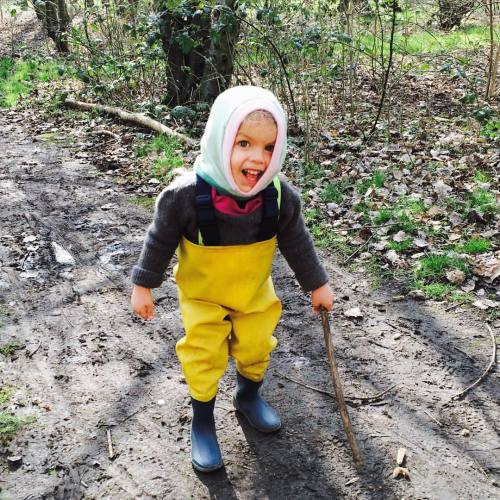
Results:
[252, 151]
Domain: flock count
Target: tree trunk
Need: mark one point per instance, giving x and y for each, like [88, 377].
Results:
[219, 64]
[452, 12]
[198, 45]
[56, 21]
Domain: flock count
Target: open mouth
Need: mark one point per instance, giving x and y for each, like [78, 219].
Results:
[252, 176]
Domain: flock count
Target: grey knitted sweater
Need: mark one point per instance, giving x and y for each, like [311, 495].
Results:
[175, 216]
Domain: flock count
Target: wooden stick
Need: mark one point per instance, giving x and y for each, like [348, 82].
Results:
[331, 394]
[110, 445]
[492, 362]
[433, 418]
[358, 459]
[136, 118]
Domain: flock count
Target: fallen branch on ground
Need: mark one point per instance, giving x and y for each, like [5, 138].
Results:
[492, 362]
[331, 394]
[136, 118]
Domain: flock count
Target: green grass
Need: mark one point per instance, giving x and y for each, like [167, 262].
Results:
[17, 78]
[484, 201]
[474, 245]
[5, 394]
[169, 157]
[480, 176]
[462, 297]
[491, 129]
[158, 144]
[424, 42]
[310, 173]
[8, 349]
[147, 202]
[400, 246]
[433, 267]
[11, 424]
[378, 178]
[334, 192]
[376, 181]
[437, 291]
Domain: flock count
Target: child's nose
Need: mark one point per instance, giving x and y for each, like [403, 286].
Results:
[258, 155]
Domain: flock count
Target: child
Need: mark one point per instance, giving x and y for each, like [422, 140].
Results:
[225, 220]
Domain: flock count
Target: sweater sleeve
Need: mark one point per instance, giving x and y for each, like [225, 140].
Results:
[162, 238]
[296, 244]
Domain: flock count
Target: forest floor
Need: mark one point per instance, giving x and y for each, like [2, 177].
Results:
[78, 370]
[82, 365]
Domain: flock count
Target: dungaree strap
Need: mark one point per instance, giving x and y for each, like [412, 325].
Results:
[205, 214]
[207, 222]
[270, 212]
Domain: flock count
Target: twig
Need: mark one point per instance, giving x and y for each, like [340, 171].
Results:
[433, 418]
[387, 73]
[110, 445]
[339, 394]
[345, 261]
[328, 393]
[492, 362]
[463, 352]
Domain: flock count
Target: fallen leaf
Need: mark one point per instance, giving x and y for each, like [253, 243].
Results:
[468, 286]
[399, 236]
[434, 211]
[487, 266]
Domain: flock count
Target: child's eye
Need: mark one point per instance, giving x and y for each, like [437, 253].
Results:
[270, 148]
[243, 144]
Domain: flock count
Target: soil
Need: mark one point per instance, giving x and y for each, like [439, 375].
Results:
[87, 369]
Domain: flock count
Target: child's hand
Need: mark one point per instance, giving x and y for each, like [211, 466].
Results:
[142, 302]
[322, 296]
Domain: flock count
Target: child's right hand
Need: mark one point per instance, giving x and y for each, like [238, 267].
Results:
[142, 302]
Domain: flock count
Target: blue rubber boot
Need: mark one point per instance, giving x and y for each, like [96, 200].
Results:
[248, 401]
[205, 451]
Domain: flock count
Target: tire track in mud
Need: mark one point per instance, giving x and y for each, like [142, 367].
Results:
[98, 368]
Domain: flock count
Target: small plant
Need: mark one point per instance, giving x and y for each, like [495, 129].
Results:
[461, 297]
[400, 246]
[437, 291]
[491, 129]
[378, 178]
[434, 267]
[9, 349]
[480, 176]
[474, 245]
[333, 192]
[5, 394]
[383, 215]
[10, 424]
[16, 78]
[147, 202]
[484, 201]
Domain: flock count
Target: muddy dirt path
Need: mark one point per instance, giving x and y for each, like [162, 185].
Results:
[86, 366]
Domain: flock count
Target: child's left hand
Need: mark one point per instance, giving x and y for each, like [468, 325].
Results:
[322, 296]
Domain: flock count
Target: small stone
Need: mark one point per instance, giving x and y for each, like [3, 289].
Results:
[455, 276]
[396, 337]
[354, 312]
[417, 295]
[398, 298]
[465, 432]
[401, 472]
[161, 402]
[14, 461]
[401, 456]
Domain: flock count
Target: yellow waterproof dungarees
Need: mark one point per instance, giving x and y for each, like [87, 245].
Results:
[229, 308]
